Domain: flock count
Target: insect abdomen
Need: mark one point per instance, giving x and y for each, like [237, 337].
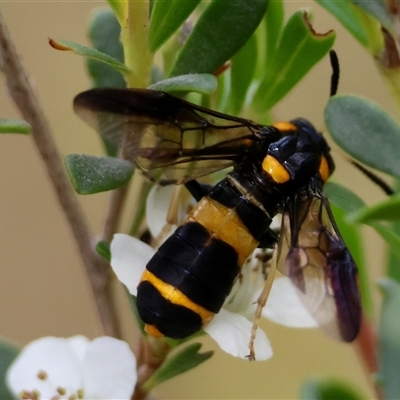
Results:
[188, 279]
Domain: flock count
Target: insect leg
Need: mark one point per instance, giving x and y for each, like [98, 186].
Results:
[261, 301]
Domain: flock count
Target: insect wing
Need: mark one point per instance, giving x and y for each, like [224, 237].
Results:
[163, 134]
[320, 265]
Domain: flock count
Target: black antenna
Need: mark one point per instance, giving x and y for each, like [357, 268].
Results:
[374, 178]
[335, 72]
[334, 87]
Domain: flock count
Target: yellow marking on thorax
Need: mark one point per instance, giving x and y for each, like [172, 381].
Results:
[224, 224]
[175, 296]
[275, 169]
[285, 126]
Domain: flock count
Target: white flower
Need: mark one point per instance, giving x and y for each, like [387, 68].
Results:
[52, 368]
[231, 327]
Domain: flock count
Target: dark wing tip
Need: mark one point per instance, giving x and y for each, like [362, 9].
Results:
[119, 101]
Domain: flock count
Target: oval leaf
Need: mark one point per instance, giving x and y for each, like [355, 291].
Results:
[200, 83]
[342, 197]
[223, 28]
[177, 364]
[91, 174]
[389, 339]
[14, 126]
[166, 18]
[66, 45]
[299, 49]
[104, 33]
[365, 131]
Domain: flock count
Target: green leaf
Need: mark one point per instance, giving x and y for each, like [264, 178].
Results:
[388, 210]
[119, 8]
[66, 45]
[221, 31]
[104, 33]
[329, 389]
[274, 23]
[103, 249]
[365, 131]
[92, 174]
[242, 72]
[343, 197]
[8, 353]
[389, 339]
[393, 270]
[14, 126]
[166, 18]
[351, 203]
[200, 83]
[298, 51]
[379, 10]
[389, 235]
[180, 362]
[348, 15]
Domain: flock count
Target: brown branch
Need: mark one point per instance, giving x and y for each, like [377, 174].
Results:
[116, 203]
[26, 100]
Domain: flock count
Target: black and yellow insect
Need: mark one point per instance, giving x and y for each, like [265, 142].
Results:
[276, 169]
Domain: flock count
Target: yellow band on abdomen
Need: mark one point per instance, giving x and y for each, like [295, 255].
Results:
[224, 223]
[175, 296]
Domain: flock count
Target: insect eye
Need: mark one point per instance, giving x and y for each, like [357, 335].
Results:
[323, 170]
[275, 169]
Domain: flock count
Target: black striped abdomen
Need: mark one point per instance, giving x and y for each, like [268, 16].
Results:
[188, 279]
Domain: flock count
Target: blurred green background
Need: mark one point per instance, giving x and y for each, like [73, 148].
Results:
[43, 288]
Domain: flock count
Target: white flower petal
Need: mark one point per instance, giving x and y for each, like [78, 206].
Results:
[79, 345]
[285, 307]
[129, 257]
[157, 206]
[109, 370]
[232, 333]
[49, 355]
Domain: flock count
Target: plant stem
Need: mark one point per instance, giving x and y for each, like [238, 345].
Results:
[134, 38]
[27, 102]
[115, 206]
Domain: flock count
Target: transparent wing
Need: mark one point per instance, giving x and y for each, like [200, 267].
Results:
[161, 133]
[315, 258]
